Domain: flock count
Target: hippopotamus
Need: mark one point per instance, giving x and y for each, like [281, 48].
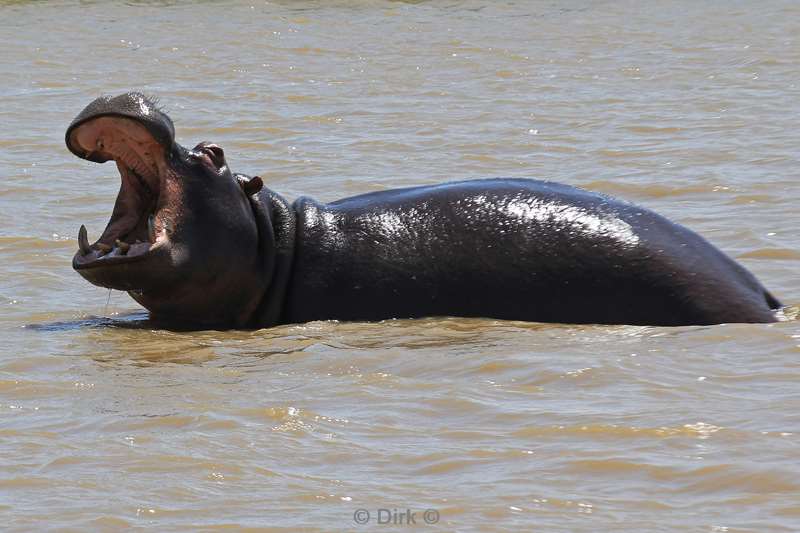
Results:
[200, 245]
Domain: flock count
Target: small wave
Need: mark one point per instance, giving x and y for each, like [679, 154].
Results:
[771, 253]
[649, 190]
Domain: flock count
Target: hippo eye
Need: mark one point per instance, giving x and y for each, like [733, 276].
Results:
[99, 144]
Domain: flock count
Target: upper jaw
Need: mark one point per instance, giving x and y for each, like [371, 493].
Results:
[133, 106]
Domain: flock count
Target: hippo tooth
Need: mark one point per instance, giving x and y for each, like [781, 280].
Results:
[151, 228]
[103, 248]
[83, 241]
[123, 246]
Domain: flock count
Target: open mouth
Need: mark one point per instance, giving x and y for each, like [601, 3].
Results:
[139, 221]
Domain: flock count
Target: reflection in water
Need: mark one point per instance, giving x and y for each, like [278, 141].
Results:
[136, 320]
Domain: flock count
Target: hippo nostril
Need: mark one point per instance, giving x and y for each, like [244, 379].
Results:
[214, 153]
[215, 149]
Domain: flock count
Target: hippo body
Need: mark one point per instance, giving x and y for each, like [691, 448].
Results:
[197, 244]
[514, 249]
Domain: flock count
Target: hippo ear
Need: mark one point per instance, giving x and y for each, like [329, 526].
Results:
[250, 186]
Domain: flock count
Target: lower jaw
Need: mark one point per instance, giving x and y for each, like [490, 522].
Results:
[124, 273]
[98, 258]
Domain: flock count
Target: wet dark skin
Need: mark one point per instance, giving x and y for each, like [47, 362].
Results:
[203, 247]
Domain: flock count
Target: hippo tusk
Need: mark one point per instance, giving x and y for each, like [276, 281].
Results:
[83, 241]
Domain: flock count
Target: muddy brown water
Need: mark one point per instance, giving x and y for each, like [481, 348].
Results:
[691, 109]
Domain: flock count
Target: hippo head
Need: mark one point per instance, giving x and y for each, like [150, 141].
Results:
[183, 239]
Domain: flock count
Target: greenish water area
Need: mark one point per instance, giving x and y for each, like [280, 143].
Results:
[690, 109]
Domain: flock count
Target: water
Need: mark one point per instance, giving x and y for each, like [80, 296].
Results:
[687, 108]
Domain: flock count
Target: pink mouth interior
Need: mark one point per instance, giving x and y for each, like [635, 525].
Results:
[132, 230]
